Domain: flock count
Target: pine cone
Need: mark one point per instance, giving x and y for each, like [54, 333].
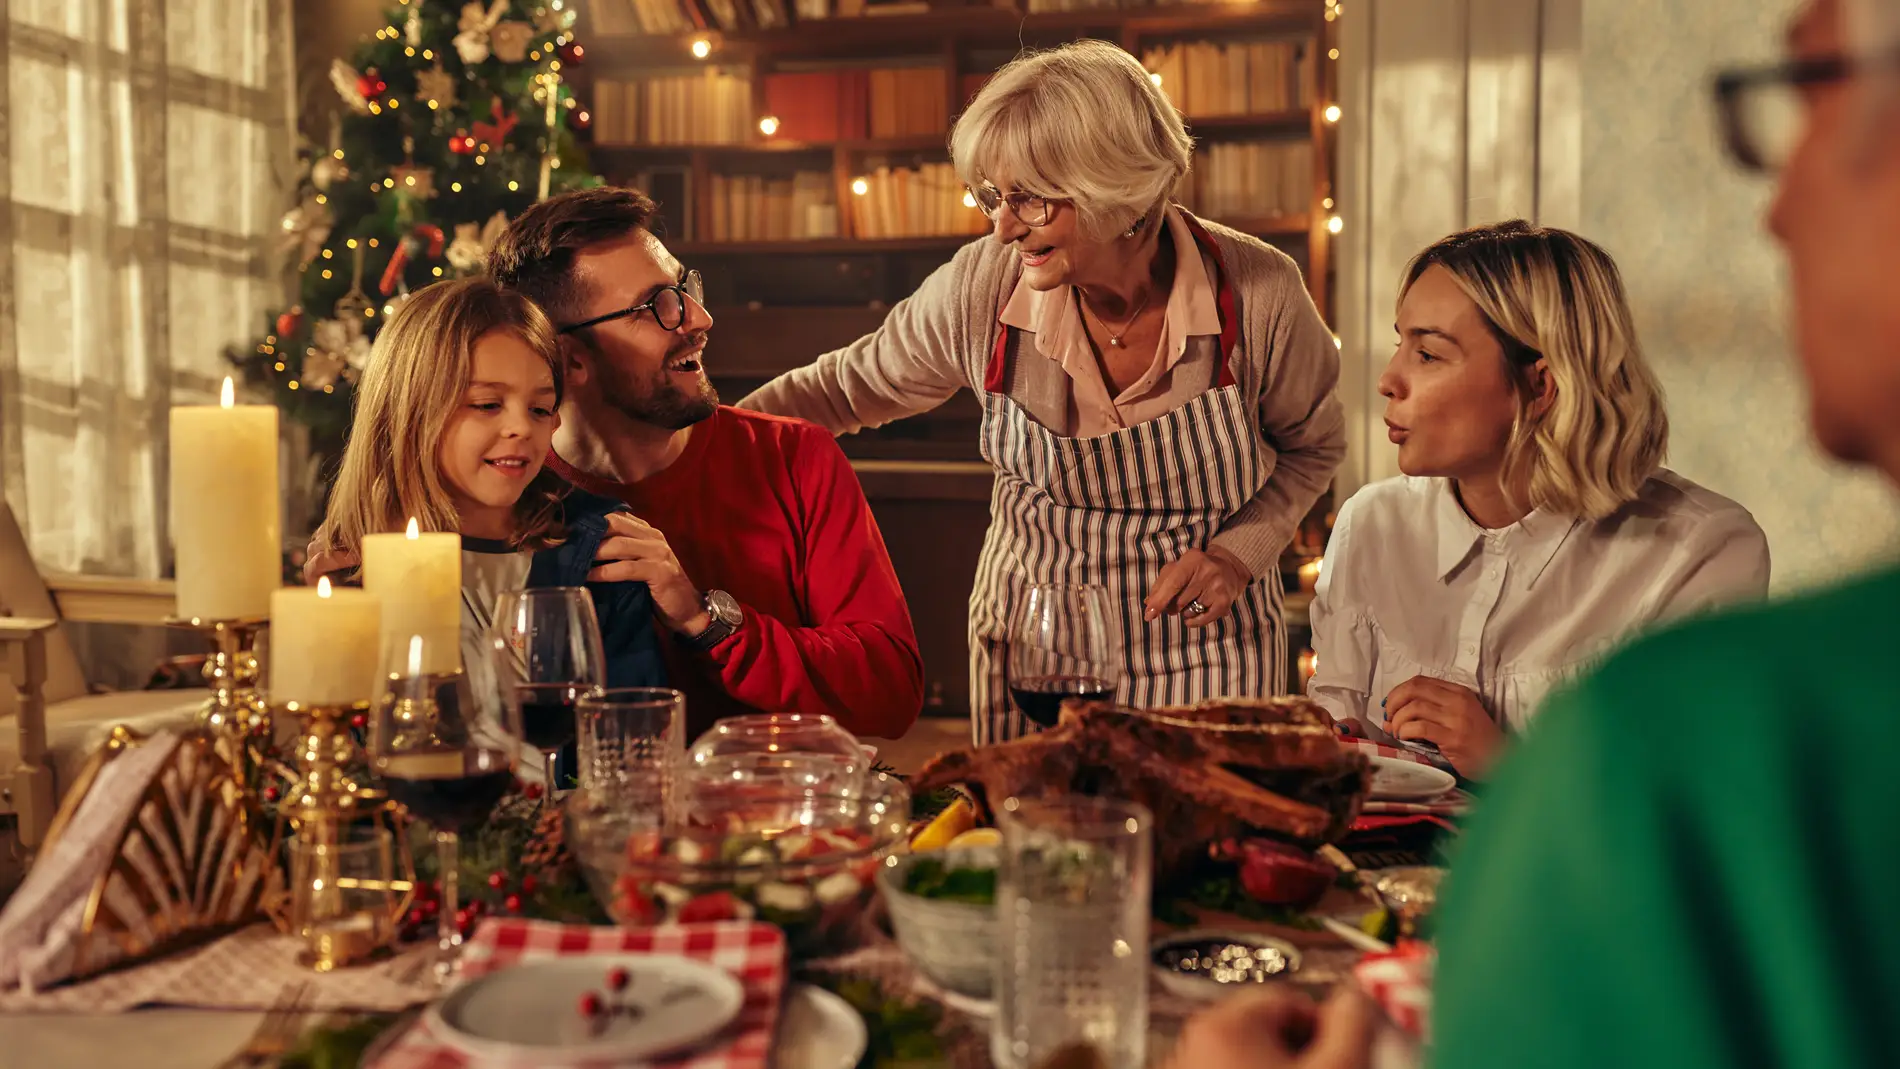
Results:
[546, 849]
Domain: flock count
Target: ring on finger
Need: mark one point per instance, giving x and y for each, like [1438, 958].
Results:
[1195, 608]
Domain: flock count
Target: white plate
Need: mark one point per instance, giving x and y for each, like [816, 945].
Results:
[1397, 780]
[819, 1030]
[529, 1014]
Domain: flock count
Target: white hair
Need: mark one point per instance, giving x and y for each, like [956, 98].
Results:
[1082, 123]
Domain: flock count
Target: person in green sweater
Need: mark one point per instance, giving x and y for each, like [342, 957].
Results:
[1691, 863]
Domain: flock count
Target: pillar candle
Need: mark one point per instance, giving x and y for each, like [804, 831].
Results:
[226, 532]
[323, 645]
[419, 578]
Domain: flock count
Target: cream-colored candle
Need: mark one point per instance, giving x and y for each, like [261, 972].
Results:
[227, 535]
[419, 578]
[323, 645]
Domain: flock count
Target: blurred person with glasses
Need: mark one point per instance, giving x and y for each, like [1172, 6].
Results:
[1158, 391]
[1634, 893]
[765, 565]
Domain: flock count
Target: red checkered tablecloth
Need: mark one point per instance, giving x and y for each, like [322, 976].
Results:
[1400, 981]
[1452, 803]
[751, 951]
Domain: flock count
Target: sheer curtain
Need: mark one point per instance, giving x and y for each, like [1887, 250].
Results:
[148, 154]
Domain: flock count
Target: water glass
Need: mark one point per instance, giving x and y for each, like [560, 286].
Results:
[632, 743]
[1072, 902]
[345, 895]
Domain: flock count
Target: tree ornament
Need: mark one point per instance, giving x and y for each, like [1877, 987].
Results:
[495, 132]
[322, 368]
[510, 41]
[476, 24]
[462, 144]
[328, 171]
[582, 118]
[347, 82]
[412, 25]
[343, 340]
[305, 228]
[371, 85]
[290, 322]
[436, 84]
[548, 19]
[469, 251]
[571, 54]
[413, 181]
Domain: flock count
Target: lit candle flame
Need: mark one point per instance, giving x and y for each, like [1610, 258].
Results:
[323, 586]
[415, 656]
[228, 397]
[414, 532]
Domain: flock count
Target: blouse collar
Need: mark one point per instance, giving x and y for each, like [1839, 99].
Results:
[1533, 540]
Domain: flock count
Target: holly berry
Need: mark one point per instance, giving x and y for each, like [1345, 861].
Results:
[497, 881]
[590, 1005]
[618, 979]
[463, 919]
[512, 903]
[359, 721]
[531, 791]
[271, 793]
[429, 908]
[528, 884]
[571, 53]
[416, 917]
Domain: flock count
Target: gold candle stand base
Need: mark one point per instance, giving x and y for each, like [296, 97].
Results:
[235, 713]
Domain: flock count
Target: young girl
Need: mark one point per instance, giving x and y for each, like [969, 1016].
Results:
[454, 419]
[1534, 527]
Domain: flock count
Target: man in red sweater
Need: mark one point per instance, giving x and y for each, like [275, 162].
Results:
[752, 532]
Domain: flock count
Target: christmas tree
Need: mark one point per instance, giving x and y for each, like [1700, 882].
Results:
[456, 117]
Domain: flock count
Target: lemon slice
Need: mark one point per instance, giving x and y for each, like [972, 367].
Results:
[978, 837]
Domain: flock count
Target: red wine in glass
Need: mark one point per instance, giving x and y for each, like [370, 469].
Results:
[548, 720]
[1040, 697]
[453, 790]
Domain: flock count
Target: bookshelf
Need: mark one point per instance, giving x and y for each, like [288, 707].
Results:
[808, 228]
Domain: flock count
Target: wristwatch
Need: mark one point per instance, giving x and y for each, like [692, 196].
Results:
[726, 618]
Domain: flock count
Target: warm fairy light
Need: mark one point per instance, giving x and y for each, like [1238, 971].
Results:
[768, 125]
[227, 397]
[1335, 224]
[1332, 113]
[455, 187]
[428, 53]
[326, 273]
[408, 180]
[393, 102]
[338, 154]
[410, 51]
[292, 384]
[329, 389]
[372, 243]
[323, 586]
[479, 160]
[1332, 53]
[388, 309]
[1327, 204]
[389, 183]
[375, 108]
[413, 532]
[369, 313]
[279, 365]
[437, 271]
[583, 116]
[701, 48]
[327, 254]
[513, 186]
[1155, 78]
[433, 106]
[860, 186]
[321, 199]
[969, 199]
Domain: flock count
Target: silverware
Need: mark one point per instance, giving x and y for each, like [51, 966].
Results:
[279, 1029]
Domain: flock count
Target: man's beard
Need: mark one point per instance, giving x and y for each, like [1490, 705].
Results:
[656, 400]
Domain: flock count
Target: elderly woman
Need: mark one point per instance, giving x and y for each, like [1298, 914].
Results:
[1157, 390]
[1534, 527]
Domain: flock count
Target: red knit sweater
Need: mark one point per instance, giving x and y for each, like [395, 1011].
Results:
[768, 510]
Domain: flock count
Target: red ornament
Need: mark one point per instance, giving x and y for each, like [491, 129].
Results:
[528, 884]
[429, 907]
[370, 85]
[271, 793]
[497, 881]
[462, 144]
[618, 979]
[359, 721]
[571, 53]
[290, 322]
[581, 118]
[416, 917]
[590, 1005]
[512, 903]
[494, 133]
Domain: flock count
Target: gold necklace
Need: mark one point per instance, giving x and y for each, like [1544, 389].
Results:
[1115, 336]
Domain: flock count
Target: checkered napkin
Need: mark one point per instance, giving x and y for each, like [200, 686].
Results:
[1400, 981]
[1452, 803]
[751, 951]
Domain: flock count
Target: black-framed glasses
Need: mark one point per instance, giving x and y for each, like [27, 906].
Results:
[1760, 108]
[668, 306]
[1028, 207]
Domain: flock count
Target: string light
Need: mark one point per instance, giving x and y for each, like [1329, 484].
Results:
[329, 389]
[768, 125]
[375, 108]
[1335, 224]
[455, 187]
[327, 254]
[701, 48]
[513, 186]
[279, 365]
[410, 51]
[372, 243]
[389, 183]
[1327, 204]
[350, 244]
[1155, 77]
[969, 199]
[326, 273]
[369, 313]
[393, 102]
[1332, 112]
[860, 186]
[428, 53]
[338, 154]
[321, 199]
[437, 271]
[292, 384]
[433, 105]
[1332, 53]
[479, 160]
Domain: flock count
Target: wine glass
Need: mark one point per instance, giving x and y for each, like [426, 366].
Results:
[444, 757]
[1065, 643]
[547, 656]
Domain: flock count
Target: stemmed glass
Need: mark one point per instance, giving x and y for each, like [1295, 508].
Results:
[443, 756]
[1064, 643]
[547, 657]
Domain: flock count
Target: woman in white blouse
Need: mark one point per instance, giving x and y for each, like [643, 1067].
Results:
[1534, 527]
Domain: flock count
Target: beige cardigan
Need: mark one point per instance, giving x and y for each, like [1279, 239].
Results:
[938, 341]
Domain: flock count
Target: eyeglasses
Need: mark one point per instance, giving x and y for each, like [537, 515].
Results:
[1031, 209]
[1761, 111]
[668, 306]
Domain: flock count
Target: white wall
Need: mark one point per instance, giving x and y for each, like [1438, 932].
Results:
[1595, 115]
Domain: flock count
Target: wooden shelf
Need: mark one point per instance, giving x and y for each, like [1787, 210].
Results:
[771, 147]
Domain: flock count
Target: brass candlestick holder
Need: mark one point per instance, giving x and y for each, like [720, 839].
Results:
[235, 713]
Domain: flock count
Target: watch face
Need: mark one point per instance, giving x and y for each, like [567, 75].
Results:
[724, 608]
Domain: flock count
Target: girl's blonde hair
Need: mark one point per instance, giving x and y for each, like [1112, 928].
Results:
[1082, 123]
[1549, 294]
[417, 374]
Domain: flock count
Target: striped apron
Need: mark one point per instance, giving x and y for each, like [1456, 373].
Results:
[1113, 511]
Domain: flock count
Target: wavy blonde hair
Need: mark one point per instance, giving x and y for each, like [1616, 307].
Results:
[417, 375]
[1082, 123]
[1549, 294]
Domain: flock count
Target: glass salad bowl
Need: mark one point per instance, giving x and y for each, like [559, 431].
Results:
[796, 751]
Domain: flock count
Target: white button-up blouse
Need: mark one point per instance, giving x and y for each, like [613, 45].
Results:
[1411, 586]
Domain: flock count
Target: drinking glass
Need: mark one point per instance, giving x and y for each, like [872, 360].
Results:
[632, 743]
[547, 655]
[442, 756]
[1065, 643]
[1072, 897]
[345, 895]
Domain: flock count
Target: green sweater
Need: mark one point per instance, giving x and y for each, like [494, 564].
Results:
[1694, 860]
